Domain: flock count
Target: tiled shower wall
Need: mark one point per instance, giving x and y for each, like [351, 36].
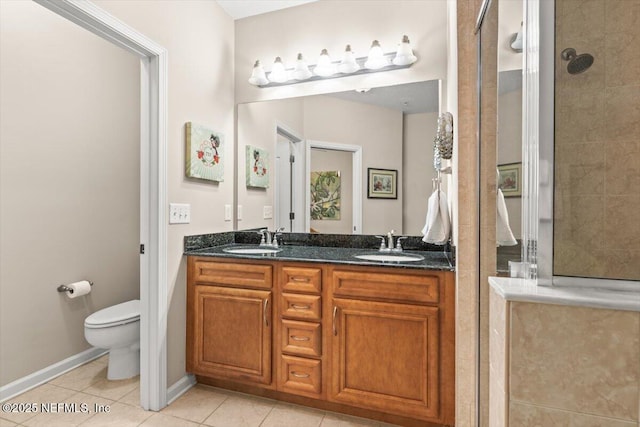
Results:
[597, 137]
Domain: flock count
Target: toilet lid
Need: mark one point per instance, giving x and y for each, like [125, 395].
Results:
[118, 314]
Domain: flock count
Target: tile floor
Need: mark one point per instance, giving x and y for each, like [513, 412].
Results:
[200, 406]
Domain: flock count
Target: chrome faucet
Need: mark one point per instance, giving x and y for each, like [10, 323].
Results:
[390, 239]
[266, 237]
[383, 244]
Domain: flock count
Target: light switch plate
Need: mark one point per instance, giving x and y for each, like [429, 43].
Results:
[267, 212]
[228, 212]
[179, 213]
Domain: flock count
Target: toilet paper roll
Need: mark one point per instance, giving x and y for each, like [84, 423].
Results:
[78, 289]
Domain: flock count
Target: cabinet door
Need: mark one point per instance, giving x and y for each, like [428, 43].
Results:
[385, 357]
[232, 334]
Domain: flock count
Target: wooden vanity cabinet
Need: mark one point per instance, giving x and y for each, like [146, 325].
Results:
[368, 341]
[392, 342]
[229, 317]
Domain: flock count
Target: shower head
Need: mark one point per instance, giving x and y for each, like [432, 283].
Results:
[577, 63]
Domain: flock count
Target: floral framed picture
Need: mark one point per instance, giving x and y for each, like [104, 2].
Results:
[382, 183]
[325, 195]
[205, 153]
[257, 169]
[510, 179]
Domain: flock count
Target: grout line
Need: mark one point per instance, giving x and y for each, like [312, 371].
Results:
[266, 416]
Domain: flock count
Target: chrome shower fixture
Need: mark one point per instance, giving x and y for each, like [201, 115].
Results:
[577, 63]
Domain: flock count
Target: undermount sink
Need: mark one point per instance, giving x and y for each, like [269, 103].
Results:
[390, 257]
[252, 251]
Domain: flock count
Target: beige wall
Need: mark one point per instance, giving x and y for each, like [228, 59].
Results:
[584, 373]
[341, 161]
[597, 169]
[200, 41]
[330, 24]
[69, 186]
[417, 169]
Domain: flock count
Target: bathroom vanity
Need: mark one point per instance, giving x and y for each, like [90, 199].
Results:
[319, 327]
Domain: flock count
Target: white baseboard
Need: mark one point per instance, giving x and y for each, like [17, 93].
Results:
[180, 387]
[42, 376]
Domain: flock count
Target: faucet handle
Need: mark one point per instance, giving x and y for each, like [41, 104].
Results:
[263, 233]
[274, 240]
[398, 247]
[383, 243]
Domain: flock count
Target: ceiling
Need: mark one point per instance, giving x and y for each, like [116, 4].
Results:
[239, 9]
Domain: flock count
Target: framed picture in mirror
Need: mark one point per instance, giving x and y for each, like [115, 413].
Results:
[382, 183]
[510, 179]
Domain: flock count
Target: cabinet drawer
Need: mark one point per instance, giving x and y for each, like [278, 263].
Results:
[232, 274]
[300, 376]
[301, 338]
[408, 287]
[298, 279]
[304, 307]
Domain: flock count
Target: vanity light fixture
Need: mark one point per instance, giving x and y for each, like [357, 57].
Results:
[301, 71]
[278, 72]
[376, 61]
[376, 58]
[258, 76]
[325, 66]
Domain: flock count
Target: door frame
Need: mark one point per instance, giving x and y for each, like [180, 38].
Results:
[356, 150]
[294, 137]
[153, 187]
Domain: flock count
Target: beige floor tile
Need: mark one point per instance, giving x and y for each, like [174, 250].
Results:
[161, 420]
[113, 390]
[84, 408]
[196, 404]
[284, 415]
[103, 360]
[132, 398]
[119, 415]
[82, 376]
[241, 411]
[7, 423]
[43, 393]
[339, 420]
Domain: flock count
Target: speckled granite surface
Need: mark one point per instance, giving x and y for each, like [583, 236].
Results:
[332, 248]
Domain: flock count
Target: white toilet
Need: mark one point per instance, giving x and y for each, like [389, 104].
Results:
[117, 328]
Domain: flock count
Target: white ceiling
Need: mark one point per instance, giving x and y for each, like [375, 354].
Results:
[239, 9]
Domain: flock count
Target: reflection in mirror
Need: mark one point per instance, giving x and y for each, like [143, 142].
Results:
[391, 127]
[509, 167]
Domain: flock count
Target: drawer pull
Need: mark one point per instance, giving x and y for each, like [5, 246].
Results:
[300, 279]
[297, 375]
[300, 307]
[297, 338]
[264, 312]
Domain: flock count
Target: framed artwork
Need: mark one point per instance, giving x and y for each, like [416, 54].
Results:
[325, 195]
[257, 168]
[205, 153]
[510, 179]
[382, 183]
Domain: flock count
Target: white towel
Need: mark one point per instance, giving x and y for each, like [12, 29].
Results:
[437, 225]
[504, 236]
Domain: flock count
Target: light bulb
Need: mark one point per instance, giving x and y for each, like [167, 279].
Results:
[404, 55]
[376, 58]
[325, 67]
[278, 73]
[258, 77]
[301, 72]
[348, 64]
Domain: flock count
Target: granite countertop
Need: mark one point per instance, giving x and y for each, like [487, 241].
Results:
[325, 249]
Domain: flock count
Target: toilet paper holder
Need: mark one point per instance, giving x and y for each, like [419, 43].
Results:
[65, 288]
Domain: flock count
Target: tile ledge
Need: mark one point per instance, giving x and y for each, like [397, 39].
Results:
[522, 290]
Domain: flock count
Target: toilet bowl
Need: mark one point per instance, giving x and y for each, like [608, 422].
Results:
[117, 329]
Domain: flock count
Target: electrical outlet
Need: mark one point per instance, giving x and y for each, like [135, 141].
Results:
[228, 212]
[179, 213]
[267, 212]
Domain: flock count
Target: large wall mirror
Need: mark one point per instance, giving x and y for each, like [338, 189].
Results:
[358, 162]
